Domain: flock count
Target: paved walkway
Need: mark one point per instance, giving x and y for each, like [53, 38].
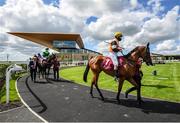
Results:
[20, 114]
[57, 101]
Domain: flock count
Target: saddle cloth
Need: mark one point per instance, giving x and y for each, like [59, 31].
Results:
[107, 64]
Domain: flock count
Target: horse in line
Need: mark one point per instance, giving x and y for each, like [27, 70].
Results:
[44, 66]
[127, 70]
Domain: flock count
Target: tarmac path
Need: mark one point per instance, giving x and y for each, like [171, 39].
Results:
[62, 100]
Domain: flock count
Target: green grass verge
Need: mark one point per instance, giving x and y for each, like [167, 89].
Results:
[12, 93]
[13, 96]
[165, 86]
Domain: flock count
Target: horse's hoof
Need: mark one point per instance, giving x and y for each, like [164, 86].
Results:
[91, 95]
[126, 95]
[118, 100]
[142, 101]
[102, 98]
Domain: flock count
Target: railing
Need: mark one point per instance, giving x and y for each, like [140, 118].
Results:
[164, 61]
[73, 63]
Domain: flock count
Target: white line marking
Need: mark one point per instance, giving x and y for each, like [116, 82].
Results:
[11, 109]
[27, 104]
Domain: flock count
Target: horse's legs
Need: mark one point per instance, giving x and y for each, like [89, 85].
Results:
[44, 73]
[91, 91]
[138, 92]
[95, 82]
[121, 81]
[133, 82]
[39, 73]
[48, 71]
[99, 91]
[139, 95]
[138, 81]
[92, 83]
[129, 90]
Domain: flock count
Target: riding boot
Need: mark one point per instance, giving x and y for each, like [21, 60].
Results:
[116, 75]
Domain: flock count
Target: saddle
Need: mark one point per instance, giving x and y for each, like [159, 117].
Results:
[108, 64]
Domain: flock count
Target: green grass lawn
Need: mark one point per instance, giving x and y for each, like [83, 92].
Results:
[12, 90]
[166, 85]
[13, 96]
[12, 93]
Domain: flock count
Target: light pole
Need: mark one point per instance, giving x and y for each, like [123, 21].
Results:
[7, 57]
[8, 75]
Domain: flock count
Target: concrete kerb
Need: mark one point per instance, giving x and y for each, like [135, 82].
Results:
[11, 109]
[27, 105]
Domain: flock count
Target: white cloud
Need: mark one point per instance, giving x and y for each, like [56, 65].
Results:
[105, 26]
[86, 8]
[166, 45]
[103, 47]
[157, 29]
[70, 16]
[31, 16]
[156, 6]
[134, 3]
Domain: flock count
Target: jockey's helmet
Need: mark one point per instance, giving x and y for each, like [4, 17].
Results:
[118, 34]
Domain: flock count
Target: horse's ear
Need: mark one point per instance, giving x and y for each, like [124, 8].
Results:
[148, 44]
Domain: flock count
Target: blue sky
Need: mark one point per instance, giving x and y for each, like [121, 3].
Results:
[140, 21]
[2, 2]
[168, 4]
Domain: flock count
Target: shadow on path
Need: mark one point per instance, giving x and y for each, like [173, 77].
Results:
[148, 106]
[50, 80]
[44, 107]
[157, 86]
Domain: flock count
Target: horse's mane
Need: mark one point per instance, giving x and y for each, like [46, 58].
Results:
[127, 55]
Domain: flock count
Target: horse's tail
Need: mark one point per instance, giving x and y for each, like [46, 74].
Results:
[86, 71]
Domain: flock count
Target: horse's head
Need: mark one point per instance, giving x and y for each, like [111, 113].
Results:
[145, 54]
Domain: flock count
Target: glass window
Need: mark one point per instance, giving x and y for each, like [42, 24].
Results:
[64, 44]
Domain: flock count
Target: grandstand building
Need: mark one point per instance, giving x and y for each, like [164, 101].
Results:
[69, 46]
[172, 57]
[161, 59]
[157, 58]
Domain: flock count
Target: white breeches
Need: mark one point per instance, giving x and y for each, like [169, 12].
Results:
[113, 56]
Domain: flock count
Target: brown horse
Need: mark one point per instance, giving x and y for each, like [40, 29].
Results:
[127, 70]
[44, 65]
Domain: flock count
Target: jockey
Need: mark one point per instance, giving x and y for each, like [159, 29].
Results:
[46, 53]
[39, 55]
[40, 58]
[114, 48]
